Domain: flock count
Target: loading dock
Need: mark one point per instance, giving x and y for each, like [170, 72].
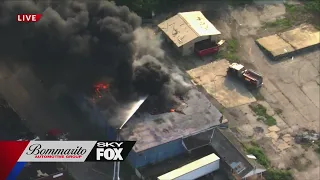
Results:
[291, 42]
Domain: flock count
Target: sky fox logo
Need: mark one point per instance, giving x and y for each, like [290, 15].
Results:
[111, 150]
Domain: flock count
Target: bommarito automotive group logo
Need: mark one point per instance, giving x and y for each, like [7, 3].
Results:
[76, 151]
[38, 152]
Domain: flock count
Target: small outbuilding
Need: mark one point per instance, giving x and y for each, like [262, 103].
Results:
[187, 29]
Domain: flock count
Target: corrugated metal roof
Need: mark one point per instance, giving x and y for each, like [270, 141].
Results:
[184, 27]
[190, 167]
[199, 23]
[228, 148]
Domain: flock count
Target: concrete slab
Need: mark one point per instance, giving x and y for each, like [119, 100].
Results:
[275, 45]
[289, 42]
[315, 62]
[272, 135]
[269, 86]
[312, 89]
[283, 146]
[298, 99]
[287, 138]
[228, 92]
[274, 128]
[302, 37]
[268, 96]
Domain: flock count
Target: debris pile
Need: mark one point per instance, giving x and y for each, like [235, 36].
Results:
[306, 136]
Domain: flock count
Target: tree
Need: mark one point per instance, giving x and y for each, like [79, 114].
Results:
[143, 8]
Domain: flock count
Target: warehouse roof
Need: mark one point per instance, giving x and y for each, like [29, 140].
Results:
[275, 45]
[153, 130]
[184, 27]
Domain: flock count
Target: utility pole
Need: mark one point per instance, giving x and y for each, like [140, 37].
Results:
[116, 165]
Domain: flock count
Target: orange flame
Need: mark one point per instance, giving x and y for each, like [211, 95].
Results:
[172, 110]
[101, 86]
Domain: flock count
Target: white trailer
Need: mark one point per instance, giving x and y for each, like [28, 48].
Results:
[194, 169]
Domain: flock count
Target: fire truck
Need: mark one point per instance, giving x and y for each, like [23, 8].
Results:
[250, 78]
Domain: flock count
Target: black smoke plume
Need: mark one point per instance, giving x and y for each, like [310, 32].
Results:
[79, 43]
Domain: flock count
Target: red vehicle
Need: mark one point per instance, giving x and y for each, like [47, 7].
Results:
[206, 47]
[251, 78]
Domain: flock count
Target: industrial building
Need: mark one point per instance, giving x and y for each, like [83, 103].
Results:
[187, 29]
[166, 135]
[233, 159]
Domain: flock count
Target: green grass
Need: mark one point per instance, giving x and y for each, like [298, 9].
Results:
[221, 110]
[297, 14]
[271, 173]
[312, 5]
[255, 150]
[281, 23]
[291, 8]
[229, 52]
[261, 111]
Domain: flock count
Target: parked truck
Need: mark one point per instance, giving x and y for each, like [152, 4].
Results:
[251, 78]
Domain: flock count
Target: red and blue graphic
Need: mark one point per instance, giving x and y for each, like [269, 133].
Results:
[10, 152]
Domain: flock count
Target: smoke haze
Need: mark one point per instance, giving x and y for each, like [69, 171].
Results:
[80, 43]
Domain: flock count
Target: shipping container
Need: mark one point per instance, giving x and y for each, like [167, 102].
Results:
[195, 169]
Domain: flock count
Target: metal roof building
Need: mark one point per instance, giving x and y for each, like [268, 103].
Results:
[229, 149]
[187, 28]
[165, 135]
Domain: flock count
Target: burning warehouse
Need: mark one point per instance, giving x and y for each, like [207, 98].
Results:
[161, 134]
[79, 43]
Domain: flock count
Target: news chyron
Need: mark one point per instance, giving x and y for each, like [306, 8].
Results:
[76, 151]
